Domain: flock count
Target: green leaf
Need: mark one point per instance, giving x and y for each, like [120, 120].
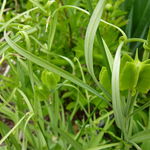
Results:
[129, 76]
[144, 79]
[102, 147]
[116, 100]
[69, 139]
[141, 136]
[104, 79]
[14, 128]
[51, 32]
[3, 131]
[109, 56]
[89, 40]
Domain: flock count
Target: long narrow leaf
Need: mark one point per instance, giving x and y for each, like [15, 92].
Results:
[5, 46]
[13, 129]
[49, 66]
[90, 35]
[109, 56]
[69, 139]
[52, 29]
[89, 41]
[141, 136]
[116, 101]
[104, 146]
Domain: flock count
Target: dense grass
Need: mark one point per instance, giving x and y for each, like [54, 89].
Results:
[68, 78]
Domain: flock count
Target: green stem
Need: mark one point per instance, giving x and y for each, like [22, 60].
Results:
[2, 10]
[147, 47]
[135, 40]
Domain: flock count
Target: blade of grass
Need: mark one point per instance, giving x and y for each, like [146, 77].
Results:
[141, 136]
[26, 100]
[140, 108]
[89, 41]
[116, 100]
[109, 56]
[14, 128]
[90, 35]
[13, 140]
[24, 145]
[51, 67]
[75, 144]
[51, 31]
[2, 9]
[104, 146]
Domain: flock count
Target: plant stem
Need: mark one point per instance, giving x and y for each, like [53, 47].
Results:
[147, 47]
[135, 40]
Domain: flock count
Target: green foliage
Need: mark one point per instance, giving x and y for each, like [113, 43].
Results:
[67, 81]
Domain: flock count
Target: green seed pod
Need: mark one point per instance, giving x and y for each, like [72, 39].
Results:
[108, 7]
[49, 79]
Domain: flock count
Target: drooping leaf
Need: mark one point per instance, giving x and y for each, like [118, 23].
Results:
[89, 40]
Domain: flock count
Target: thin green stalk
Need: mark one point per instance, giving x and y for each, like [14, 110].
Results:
[14, 128]
[135, 40]
[2, 10]
[104, 146]
[83, 78]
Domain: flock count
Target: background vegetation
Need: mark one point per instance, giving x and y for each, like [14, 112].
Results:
[74, 74]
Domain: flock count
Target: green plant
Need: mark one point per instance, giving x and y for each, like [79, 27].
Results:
[49, 99]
